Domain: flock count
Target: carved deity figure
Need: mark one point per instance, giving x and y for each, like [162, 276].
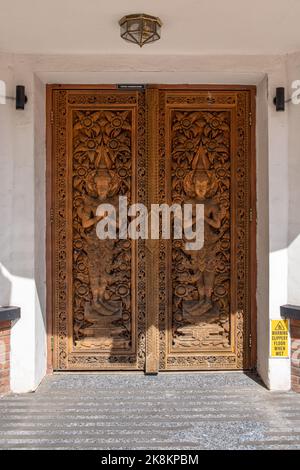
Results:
[200, 186]
[102, 186]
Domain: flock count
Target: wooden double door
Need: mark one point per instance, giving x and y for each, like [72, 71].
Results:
[151, 304]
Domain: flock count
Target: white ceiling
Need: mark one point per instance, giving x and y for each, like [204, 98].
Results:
[189, 26]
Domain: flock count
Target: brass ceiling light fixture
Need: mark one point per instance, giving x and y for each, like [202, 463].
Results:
[140, 28]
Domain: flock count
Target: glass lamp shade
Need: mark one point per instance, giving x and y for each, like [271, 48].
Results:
[140, 28]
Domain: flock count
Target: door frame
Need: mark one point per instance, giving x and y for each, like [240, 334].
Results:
[252, 285]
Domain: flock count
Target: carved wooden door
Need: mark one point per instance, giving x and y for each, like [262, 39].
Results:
[98, 289]
[150, 305]
[205, 155]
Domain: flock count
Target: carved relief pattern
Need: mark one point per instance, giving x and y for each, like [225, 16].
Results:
[200, 174]
[101, 268]
[104, 327]
[142, 196]
[242, 229]
[164, 267]
[196, 329]
[60, 237]
[82, 98]
[199, 141]
[205, 99]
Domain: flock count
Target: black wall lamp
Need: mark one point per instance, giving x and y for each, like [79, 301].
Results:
[20, 99]
[279, 100]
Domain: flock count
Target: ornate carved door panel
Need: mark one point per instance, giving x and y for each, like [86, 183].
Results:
[98, 285]
[151, 305]
[205, 156]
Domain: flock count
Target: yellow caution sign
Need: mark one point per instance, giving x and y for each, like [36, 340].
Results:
[279, 338]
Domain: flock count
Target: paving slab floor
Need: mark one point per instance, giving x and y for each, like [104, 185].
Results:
[224, 410]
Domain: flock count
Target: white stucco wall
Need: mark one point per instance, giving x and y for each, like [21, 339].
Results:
[20, 224]
[22, 251]
[263, 244]
[278, 191]
[293, 70]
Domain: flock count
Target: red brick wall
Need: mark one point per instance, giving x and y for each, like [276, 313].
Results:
[5, 357]
[295, 335]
